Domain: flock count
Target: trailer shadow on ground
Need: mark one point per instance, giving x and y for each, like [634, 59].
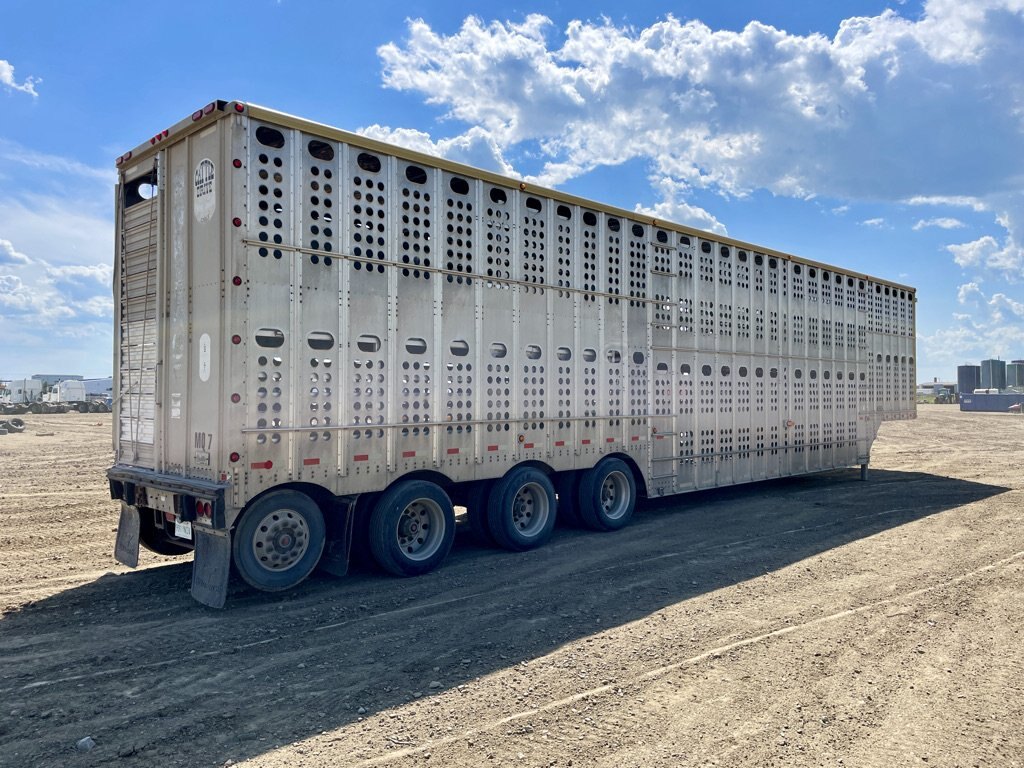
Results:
[156, 679]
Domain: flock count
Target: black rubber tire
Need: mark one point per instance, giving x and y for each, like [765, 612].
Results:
[400, 516]
[155, 539]
[283, 526]
[476, 511]
[15, 425]
[607, 495]
[567, 486]
[82, 408]
[35, 408]
[521, 509]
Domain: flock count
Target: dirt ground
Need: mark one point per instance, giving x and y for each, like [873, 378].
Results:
[805, 622]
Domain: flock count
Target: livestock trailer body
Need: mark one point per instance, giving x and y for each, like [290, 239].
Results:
[314, 328]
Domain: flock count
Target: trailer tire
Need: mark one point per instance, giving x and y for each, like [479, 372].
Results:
[521, 509]
[35, 408]
[412, 528]
[567, 486]
[476, 512]
[82, 408]
[15, 425]
[279, 540]
[607, 495]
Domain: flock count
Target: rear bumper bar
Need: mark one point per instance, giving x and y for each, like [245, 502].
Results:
[132, 484]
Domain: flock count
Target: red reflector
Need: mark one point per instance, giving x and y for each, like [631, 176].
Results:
[408, 454]
[199, 506]
[609, 439]
[197, 115]
[236, 339]
[119, 161]
[310, 462]
[452, 451]
[167, 132]
[659, 437]
[527, 445]
[585, 442]
[492, 447]
[234, 457]
[236, 398]
[153, 140]
[236, 221]
[268, 464]
[237, 163]
[236, 280]
[559, 443]
[361, 457]
[127, 156]
[239, 108]
[636, 438]
[169, 517]
[209, 107]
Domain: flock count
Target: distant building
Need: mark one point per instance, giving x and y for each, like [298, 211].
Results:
[49, 379]
[993, 374]
[968, 378]
[1015, 374]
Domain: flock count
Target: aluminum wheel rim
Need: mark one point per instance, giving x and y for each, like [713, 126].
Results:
[530, 509]
[615, 495]
[281, 539]
[420, 529]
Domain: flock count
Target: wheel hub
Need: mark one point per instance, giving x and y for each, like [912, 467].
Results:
[280, 540]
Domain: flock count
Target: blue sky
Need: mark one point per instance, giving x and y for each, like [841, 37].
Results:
[882, 137]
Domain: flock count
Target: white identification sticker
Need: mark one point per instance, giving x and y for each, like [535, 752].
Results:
[204, 357]
[182, 530]
[205, 190]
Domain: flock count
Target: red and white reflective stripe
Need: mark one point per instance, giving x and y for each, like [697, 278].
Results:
[268, 464]
[361, 457]
[585, 442]
[408, 454]
[492, 447]
[453, 451]
[527, 445]
[310, 462]
[559, 443]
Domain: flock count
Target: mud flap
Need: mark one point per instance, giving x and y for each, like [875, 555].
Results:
[126, 549]
[337, 549]
[211, 567]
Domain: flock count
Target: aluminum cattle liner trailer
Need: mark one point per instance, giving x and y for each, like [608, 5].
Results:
[323, 342]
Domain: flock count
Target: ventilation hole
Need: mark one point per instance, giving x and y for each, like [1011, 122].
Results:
[662, 236]
[685, 369]
[368, 343]
[796, 269]
[498, 349]
[743, 372]
[269, 137]
[725, 370]
[638, 231]
[459, 186]
[563, 353]
[368, 162]
[662, 367]
[614, 356]
[270, 337]
[589, 219]
[321, 150]
[533, 204]
[563, 212]
[416, 346]
[589, 355]
[614, 225]
[320, 340]
[706, 370]
[415, 174]
[459, 348]
[705, 247]
[724, 252]
[684, 240]
[498, 196]
[638, 358]
[533, 351]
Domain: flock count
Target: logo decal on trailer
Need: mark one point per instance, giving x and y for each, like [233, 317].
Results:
[204, 357]
[205, 202]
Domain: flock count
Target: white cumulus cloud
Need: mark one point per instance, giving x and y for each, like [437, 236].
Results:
[942, 222]
[8, 81]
